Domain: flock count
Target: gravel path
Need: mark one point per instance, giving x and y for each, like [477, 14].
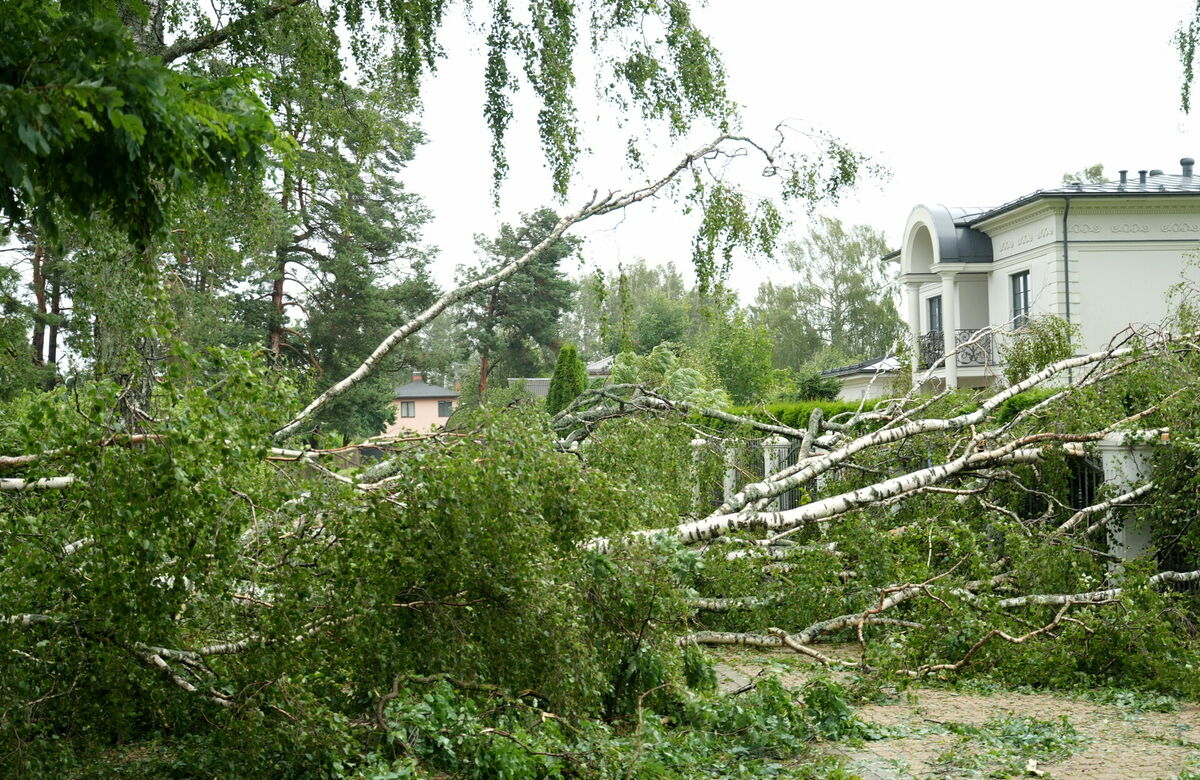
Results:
[1117, 744]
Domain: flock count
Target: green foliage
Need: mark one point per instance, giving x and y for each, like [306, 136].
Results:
[792, 413]
[841, 301]
[1038, 343]
[568, 381]
[663, 371]
[1005, 744]
[96, 125]
[510, 325]
[1185, 43]
[1020, 402]
[696, 737]
[740, 355]
[642, 307]
[17, 370]
[807, 384]
[1093, 174]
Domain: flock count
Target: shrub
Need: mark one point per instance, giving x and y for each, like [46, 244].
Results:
[1042, 341]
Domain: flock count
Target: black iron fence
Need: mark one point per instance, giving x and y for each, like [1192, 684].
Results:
[972, 348]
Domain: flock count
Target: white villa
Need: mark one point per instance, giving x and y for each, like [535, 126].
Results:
[1102, 256]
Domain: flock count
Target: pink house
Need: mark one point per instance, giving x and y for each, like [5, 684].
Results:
[421, 407]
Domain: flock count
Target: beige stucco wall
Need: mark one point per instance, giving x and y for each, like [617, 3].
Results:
[426, 416]
[1125, 255]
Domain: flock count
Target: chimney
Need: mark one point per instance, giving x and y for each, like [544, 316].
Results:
[1187, 163]
[418, 378]
[1124, 176]
[1142, 177]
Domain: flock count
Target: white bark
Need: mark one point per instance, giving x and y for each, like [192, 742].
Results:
[730, 638]
[1124, 498]
[46, 483]
[778, 484]
[1093, 596]
[29, 619]
[700, 530]
[594, 207]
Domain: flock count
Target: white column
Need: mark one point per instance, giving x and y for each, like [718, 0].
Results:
[1126, 461]
[914, 325]
[950, 325]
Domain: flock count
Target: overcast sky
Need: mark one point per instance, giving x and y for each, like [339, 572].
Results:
[965, 103]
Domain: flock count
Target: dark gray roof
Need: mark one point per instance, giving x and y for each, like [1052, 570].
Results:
[601, 367]
[957, 241]
[880, 365]
[1158, 185]
[424, 390]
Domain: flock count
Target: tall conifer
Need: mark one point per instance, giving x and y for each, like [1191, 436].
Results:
[568, 381]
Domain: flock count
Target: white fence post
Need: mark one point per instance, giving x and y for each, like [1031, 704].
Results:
[775, 451]
[730, 452]
[698, 446]
[1125, 457]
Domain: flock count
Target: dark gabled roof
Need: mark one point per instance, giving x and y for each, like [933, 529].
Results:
[880, 365]
[602, 366]
[1158, 185]
[424, 390]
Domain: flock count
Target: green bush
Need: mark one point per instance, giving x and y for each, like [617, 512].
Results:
[1036, 344]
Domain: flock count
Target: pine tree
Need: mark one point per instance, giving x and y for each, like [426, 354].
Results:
[568, 381]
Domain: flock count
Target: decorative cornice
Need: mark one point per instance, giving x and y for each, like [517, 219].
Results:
[1142, 208]
[1021, 216]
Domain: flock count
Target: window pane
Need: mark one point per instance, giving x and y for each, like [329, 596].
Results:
[408, 409]
[935, 313]
[444, 408]
[1020, 297]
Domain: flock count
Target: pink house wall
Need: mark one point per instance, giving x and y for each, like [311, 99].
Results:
[426, 416]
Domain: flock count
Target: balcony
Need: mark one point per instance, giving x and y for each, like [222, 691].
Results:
[974, 348]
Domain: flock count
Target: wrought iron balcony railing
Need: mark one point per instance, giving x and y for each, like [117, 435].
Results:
[930, 348]
[973, 348]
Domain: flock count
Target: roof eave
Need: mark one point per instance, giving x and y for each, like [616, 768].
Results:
[976, 221]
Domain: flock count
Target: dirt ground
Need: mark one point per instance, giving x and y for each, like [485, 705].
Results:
[922, 737]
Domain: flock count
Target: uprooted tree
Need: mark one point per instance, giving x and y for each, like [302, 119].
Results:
[564, 566]
[193, 569]
[186, 588]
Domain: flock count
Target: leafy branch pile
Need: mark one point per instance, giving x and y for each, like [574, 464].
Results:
[190, 585]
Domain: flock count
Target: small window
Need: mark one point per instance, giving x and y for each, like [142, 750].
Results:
[444, 408]
[408, 408]
[935, 314]
[1020, 298]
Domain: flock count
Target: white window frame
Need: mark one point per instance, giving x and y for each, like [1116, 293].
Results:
[934, 303]
[1019, 297]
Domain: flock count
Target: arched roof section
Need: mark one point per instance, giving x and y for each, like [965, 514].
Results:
[938, 234]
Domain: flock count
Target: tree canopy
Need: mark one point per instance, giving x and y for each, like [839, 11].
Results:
[843, 299]
[89, 123]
